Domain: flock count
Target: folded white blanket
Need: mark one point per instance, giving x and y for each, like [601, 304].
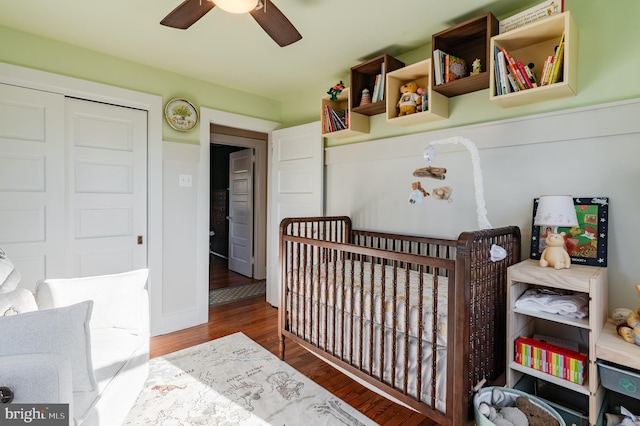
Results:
[574, 305]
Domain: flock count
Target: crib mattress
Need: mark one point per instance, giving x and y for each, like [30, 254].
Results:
[330, 286]
[351, 309]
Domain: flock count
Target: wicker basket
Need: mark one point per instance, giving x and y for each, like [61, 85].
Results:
[484, 395]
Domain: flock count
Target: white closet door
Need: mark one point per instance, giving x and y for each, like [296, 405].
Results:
[32, 182]
[106, 188]
[296, 187]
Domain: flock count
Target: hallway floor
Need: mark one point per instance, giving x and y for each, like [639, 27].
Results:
[220, 276]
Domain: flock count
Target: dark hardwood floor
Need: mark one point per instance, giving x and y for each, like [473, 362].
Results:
[258, 320]
[220, 276]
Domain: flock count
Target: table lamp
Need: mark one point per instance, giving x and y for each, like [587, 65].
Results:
[555, 211]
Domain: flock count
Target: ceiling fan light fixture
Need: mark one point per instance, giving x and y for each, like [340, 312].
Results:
[237, 6]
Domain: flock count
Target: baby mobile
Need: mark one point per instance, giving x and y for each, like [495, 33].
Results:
[418, 193]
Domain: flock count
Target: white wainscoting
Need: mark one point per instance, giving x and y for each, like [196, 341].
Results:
[593, 151]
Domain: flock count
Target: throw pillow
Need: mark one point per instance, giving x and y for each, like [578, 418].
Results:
[9, 276]
[63, 331]
[117, 297]
[17, 302]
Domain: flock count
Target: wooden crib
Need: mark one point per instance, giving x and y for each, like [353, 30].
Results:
[419, 319]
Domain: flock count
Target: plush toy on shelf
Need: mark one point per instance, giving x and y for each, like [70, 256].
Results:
[628, 322]
[409, 99]
[335, 91]
[555, 255]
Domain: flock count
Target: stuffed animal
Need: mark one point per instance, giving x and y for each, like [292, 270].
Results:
[424, 104]
[417, 193]
[554, 254]
[409, 99]
[476, 67]
[536, 416]
[628, 322]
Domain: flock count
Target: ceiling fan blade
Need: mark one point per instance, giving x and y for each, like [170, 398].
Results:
[279, 28]
[187, 13]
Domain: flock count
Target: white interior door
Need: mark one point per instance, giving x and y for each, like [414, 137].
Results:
[32, 179]
[295, 189]
[106, 148]
[241, 212]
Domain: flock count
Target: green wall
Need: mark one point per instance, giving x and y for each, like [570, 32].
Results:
[27, 50]
[608, 60]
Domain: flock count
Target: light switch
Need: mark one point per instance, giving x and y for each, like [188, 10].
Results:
[184, 180]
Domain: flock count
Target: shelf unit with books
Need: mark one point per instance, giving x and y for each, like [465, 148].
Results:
[363, 76]
[354, 123]
[578, 279]
[468, 40]
[420, 72]
[533, 44]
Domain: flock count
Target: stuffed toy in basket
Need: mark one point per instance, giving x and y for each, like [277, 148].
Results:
[511, 407]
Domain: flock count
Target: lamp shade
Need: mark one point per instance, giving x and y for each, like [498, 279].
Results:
[237, 6]
[555, 211]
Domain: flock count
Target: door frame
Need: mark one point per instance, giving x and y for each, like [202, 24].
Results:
[223, 118]
[69, 86]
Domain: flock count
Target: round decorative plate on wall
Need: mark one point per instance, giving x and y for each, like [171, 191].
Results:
[181, 114]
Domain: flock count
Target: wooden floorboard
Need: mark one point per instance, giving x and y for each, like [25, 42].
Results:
[258, 320]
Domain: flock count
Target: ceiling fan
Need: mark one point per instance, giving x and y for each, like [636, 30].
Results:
[266, 14]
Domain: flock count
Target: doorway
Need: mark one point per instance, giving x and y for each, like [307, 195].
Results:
[226, 143]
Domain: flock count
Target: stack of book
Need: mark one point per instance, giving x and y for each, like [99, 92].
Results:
[334, 119]
[551, 359]
[447, 67]
[512, 75]
[378, 86]
[552, 68]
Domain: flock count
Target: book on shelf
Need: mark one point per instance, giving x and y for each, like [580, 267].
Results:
[378, 85]
[551, 359]
[546, 70]
[496, 70]
[438, 66]
[514, 84]
[334, 119]
[505, 86]
[376, 89]
[523, 75]
[514, 70]
[455, 68]
[556, 72]
[382, 82]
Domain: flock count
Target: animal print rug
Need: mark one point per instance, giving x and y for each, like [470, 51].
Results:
[234, 381]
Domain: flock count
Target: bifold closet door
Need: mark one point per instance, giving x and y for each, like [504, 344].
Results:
[32, 176]
[106, 150]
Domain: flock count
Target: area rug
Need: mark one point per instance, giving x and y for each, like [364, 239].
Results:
[232, 294]
[234, 381]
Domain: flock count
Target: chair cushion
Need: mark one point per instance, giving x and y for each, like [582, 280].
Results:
[17, 302]
[117, 297]
[63, 331]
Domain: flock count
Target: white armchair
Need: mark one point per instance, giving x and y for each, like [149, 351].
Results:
[87, 344]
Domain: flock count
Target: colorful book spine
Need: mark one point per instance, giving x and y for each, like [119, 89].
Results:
[551, 359]
[496, 71]
[556, 72]
[504, 81]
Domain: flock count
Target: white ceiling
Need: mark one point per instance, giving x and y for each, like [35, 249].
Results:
[232, 50]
